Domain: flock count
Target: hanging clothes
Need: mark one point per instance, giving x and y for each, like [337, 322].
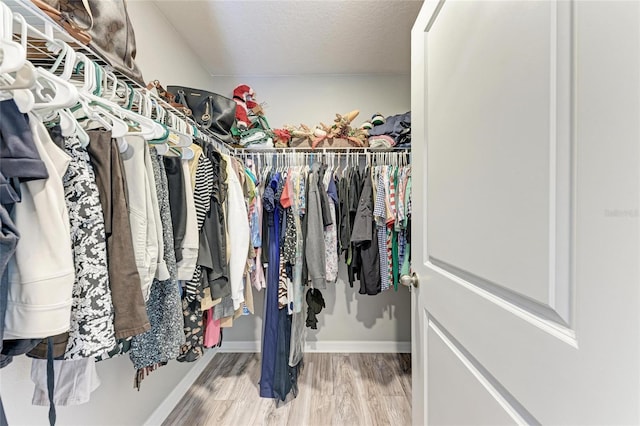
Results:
[365, 242]
[193, 348]
[39, 299]
[237, 220]
[141, 215]
[315, 249]
[163, 341]
[91, 331]
[130, 314]
[212, 253]
[270, 325]
[380, 217]
[331, 231]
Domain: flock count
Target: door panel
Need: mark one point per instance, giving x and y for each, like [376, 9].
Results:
[526, 115]
[488, 125]
[455, 375]
[499, 228]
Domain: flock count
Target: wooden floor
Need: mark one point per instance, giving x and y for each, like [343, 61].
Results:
[335, 389]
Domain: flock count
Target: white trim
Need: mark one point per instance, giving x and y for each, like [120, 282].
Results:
[240, 346]
[328, 346]
[163, 410]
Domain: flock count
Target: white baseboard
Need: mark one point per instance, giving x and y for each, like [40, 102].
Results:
[164, 409]
[327, 347]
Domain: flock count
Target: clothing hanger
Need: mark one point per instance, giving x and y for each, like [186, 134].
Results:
[51, 91]
[65, 94]
[148, 128]
[25, 76]
[14, 55]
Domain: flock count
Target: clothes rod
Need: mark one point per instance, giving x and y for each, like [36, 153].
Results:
[340, 150]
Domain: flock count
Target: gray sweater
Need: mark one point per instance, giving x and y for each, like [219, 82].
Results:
[314, 244]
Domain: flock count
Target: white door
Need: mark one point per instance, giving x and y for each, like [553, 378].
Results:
[526, 136]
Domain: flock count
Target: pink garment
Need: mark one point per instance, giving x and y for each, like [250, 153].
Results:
[257, 275]
[211, 330]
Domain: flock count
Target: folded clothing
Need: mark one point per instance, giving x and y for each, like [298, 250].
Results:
[397, 127]
[381, 142]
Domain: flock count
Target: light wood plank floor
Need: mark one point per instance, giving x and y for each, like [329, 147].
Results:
[334, 389]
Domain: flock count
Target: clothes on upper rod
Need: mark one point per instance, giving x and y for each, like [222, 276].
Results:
[98, 223]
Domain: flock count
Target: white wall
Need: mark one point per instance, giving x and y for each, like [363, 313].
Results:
[162, 56]
[349, 317]
[115, 402]
[314, 99]
[349, 320]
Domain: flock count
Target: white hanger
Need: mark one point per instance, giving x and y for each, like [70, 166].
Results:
[148, 127]
[14, 54]
[65, 93]
[25, 76]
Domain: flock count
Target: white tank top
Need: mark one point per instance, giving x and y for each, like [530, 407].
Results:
[41, 274]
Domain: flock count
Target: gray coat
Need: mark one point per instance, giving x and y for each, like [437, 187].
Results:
[314, 244]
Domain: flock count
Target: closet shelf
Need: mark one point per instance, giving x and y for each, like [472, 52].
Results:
[38, 53]
[42, 52]
[355, 149]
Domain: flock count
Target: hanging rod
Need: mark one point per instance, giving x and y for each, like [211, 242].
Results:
[341, 150]
[43, 51]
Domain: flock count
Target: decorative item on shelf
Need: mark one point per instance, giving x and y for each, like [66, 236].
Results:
[244, 96]
[214, 112]
[282, 138]
[258, 135]
[299, 135]
[103, 25]
[339, 134]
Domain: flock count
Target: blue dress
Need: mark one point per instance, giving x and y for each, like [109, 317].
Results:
[270, 326]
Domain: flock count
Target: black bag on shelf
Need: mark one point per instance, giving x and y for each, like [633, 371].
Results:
[212, 111]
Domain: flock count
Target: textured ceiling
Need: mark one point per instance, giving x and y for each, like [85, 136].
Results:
[264, 38]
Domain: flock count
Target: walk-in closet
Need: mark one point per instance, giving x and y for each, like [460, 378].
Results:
[405, 212]
[286, 247]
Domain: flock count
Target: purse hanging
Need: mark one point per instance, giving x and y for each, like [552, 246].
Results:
[212, 111]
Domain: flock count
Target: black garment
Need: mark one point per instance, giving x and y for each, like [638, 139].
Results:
[305, 227]
[177, 202]
[281, 210]
[324, 198]
[9, 192]
[365, 241]
[20, 158]
[344, 230]
[3, 418]
[56, 136]
[315, 303]
[264, 252]
[343, 194]
[358, 184]
[212, 253]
